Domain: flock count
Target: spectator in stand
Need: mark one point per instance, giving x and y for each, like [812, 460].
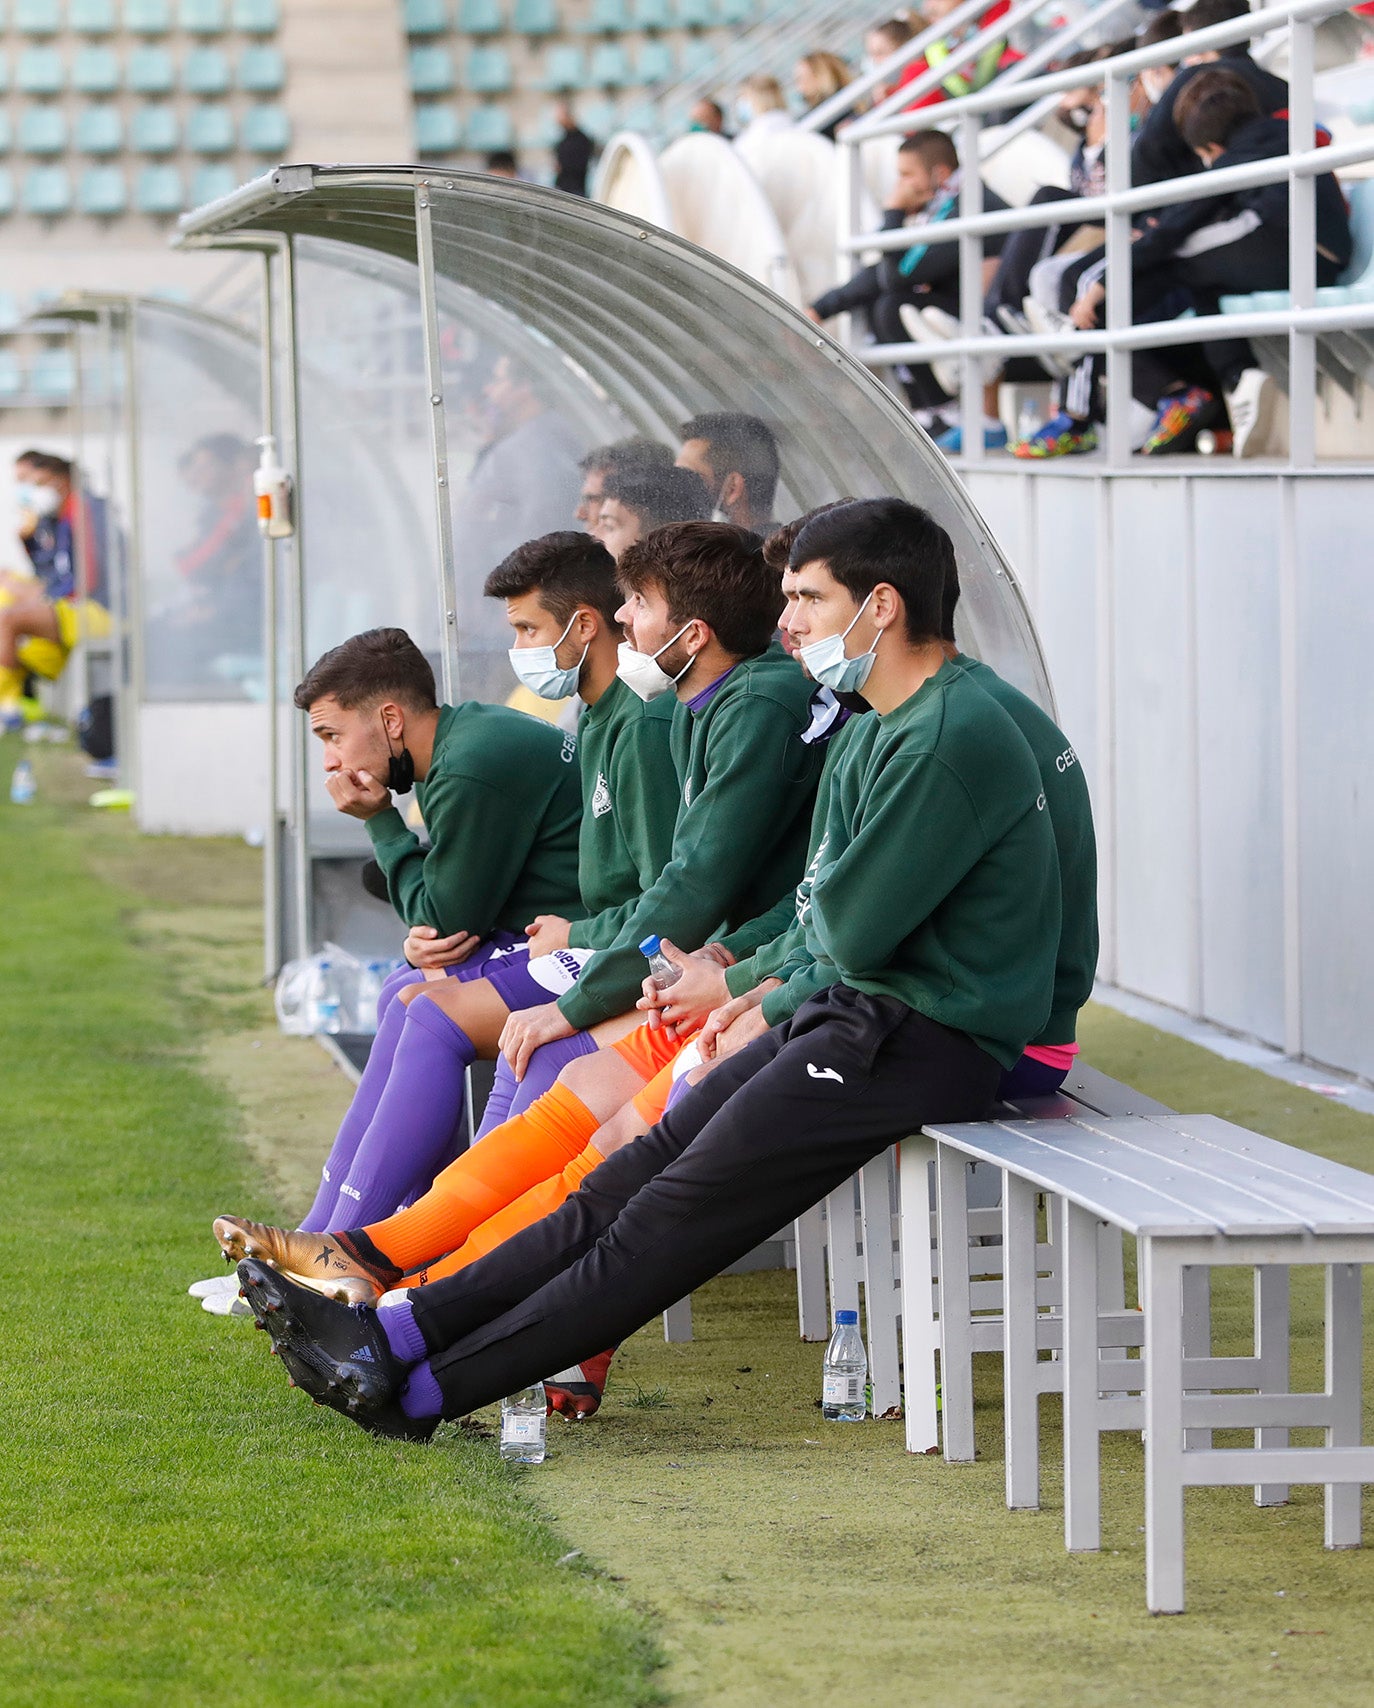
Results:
[737, 457]
[501, 163]
[572, 152]
[817, 77]
[623, 456]
[992, 59]
[639, 500]
[1151, 83]
[881, 42]
[708, 115]
[761, 106]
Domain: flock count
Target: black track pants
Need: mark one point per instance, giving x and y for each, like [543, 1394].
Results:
[761, 1139]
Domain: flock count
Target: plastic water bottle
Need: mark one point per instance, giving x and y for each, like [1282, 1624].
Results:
[524, 1420]
[22, 786]
[843, 1384]
[370, 981]
[661, 970]
[328, 1007]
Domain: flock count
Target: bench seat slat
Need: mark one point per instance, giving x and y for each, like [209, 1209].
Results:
[1344, 1185]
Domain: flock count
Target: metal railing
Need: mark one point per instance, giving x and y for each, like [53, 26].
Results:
[1302, 322]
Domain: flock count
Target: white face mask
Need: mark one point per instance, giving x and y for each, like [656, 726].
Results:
[45, 500]
[825, 660]
[537, 667]
[642, 672]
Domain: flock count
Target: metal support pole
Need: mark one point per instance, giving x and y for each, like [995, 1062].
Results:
[129, 767]
[272, 955]
[299, 816]
[1118, 305]
[438, 438]
[971, 288]
[1302, 248]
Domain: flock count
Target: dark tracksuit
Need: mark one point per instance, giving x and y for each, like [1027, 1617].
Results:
[937, 906]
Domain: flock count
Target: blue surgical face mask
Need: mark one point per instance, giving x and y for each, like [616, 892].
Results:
[537, 667]
[825, 660]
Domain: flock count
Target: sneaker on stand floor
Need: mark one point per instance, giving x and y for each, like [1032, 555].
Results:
[1061, 436]
[994, 439]
[1179, 420]
[1251, 408]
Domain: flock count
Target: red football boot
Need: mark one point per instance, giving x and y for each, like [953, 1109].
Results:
[576, 1392]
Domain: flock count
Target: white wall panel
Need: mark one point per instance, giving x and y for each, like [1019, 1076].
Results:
[202, 768]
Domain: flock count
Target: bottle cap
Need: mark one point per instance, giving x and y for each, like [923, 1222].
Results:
[650, 946]
[844, 1317]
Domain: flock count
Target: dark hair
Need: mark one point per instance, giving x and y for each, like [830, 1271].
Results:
[48, 462]
[1211, 105]
[742, 445]
[777, 548]
[884, 539]
[377, 665]
[1163, 27]
[950, 601]
[567, 570]
[501, 160]
[627, 454]
[659, 495]
[932, 148]
[712, 571]
[894, 30]
[1204, 13]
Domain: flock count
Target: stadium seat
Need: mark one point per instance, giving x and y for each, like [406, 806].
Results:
[598, 119]
[43, 130]
[47, 191]
[431, 70]
[607, 17]
[102, 191]
[39, 71]
[437, 130]
[205, 71]
[643, 117]
[148, 17]
[696, 14]
[487, 71]
[265, 130]
[262, 70]
[159, 190]
[210, 130]
[736, 11]
[154, 130]
[564, 68]
[10, 312]
[99, 130]
[6, 192]
[6, 132]
[256, 17]
[209, 183]
[53, 373]
[536, 18]
[201, 17]
[4, 71]
[655, 63]
[36, 17]
[490, 128]
[543, 134]
[481, 17]
[149, 71]
[95, 71]
[11, 378]
[610, 67]
[698, 55]
[426, 17]
[653, 14]
[91, 17]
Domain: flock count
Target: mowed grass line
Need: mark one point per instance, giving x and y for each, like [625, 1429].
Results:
[173, 1530]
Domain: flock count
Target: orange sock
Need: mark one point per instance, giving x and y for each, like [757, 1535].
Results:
[513, 1157]
[533, 1206]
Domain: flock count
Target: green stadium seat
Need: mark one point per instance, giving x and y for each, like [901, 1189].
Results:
[6, 191]
[696, 14]
[95, 70]
[698, 55]
[4, 71]
[53, 374]
[536, 18]
[607, 17]
[610, 67]
[265, 130]
[99, 130]
[256, 17]
[262, 70]
[11, 315]
[426, 17]
[209, 183]
[43, 130]
[91, 17]
[564, 69]
[490, 128]
[487, 71]
[6, 132]
[148, 17]
[149, 71]
[36, 17]
[11, 379]
[481, 17]
[655, 63]
[205, 71]
[643, 117]
[431, 70]
[599, 119]
[154, 130]
[159, 190]
[39, 71]
[102, 190]
[47, 191]
[544, 133]
[653, 14]
[201, 17]
[736, 11]
[210, 130]
[437, 129]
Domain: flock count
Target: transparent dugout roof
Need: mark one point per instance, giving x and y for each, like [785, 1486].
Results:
[615, 327]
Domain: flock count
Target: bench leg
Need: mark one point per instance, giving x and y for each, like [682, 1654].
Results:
[880, 1288]
[809, 1232]
[1020, 1388]
[1162, 1291]
[956, 1336]
[1272, 1333]
[920, 1334]
[1082, 1475]
[843, 1253]
[1197, 1332]
[1111, 1300]
[1344, 1383]
[677, 1320]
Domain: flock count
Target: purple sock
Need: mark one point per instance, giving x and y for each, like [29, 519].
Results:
[397, 1322]
[547, 1062]
[678, 1090]
[391, 988]
[417, 1114]
[421, 1397]
[498, 1102]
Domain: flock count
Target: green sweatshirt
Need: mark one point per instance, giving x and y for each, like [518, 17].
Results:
[1071, 818]
[629, 807]
[502, 802]
[740, 838]
[939, 883]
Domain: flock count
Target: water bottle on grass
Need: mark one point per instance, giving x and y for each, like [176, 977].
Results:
[22, 786]
[661, 970]
[844, 1394]
[524, 1418]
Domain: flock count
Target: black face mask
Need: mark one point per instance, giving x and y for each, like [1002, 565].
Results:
[400, 777]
